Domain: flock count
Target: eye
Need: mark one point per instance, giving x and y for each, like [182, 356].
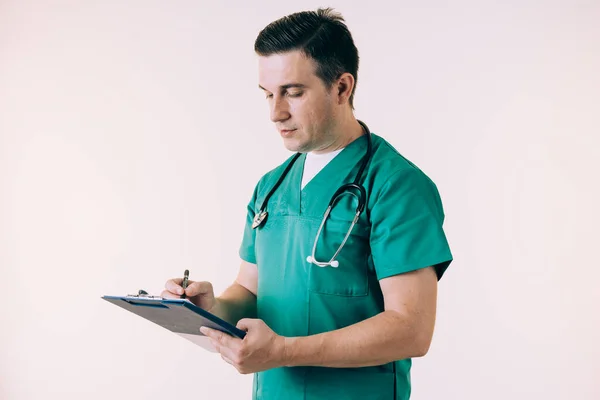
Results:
[295, 94]
[268, 95]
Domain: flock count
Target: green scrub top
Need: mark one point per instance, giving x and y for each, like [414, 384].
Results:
[400, 230]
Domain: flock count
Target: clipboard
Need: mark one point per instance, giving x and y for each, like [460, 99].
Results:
[180, 316]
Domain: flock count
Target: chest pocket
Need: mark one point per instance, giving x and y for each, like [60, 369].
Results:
[350, 277]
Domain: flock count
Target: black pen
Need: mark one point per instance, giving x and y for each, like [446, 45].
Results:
[184, 283]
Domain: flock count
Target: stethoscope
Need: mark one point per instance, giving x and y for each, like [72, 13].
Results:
[349, 188]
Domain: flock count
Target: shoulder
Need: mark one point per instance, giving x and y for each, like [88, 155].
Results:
[388, 164]
[393, 174]
[388, 161]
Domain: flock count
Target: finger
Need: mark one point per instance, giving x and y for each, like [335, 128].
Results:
[165, 294]
[227, 354]
[174, 286]
[215, 345]
[221, 338]
[245, 324]
[199, 289]
[227, 360]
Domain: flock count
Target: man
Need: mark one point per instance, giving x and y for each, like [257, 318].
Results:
[321, 326]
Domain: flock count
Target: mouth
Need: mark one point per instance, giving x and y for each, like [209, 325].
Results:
[286, 132]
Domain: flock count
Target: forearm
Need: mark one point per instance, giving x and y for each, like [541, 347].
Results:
[235, 303]
[386, 337]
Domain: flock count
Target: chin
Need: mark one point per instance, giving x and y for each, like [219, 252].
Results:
[294, 145]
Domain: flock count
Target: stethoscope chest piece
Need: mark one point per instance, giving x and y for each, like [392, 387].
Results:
[259, 219]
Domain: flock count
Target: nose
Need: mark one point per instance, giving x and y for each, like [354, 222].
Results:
[279, 109]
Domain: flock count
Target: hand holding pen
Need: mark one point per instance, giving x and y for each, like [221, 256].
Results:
[199, 293]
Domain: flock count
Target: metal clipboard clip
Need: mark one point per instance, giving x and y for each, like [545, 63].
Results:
[142, 294]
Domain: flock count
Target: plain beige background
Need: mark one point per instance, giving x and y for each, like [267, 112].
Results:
[132, 134]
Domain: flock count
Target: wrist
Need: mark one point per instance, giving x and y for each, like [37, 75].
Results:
[287, 353]
[216, 308]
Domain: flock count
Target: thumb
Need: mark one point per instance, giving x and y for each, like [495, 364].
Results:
[245, 324]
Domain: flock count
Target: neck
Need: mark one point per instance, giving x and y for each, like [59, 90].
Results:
[342, 135]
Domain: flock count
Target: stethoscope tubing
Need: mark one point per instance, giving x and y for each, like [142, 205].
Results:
[348, 188]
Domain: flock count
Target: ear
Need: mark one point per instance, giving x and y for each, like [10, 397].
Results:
[344, 87]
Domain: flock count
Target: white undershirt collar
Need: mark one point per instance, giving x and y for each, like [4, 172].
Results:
[314, 163]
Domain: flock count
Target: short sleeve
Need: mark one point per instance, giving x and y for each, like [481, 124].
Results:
[406, 226]
[247, 247]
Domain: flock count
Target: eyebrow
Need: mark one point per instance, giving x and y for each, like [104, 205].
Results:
[287, 86]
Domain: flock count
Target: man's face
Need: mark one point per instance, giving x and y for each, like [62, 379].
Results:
[301, 106]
